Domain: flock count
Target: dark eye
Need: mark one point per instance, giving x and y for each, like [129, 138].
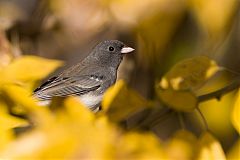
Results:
[111, 48]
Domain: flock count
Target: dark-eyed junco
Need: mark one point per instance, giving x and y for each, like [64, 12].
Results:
[88, 79]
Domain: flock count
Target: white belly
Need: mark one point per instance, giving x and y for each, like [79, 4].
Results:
[88, 100]
[44, 103]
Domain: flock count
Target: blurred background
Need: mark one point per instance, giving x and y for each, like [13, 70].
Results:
[163, 32]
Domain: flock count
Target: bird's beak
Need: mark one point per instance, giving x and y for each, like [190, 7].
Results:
[125, 50]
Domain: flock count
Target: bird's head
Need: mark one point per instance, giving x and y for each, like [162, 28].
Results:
[111, 52]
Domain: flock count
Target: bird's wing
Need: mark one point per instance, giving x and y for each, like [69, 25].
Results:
[65, 86]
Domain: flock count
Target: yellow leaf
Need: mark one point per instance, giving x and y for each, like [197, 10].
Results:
[222, 107]
[6, 137]
[210, 15]
[149, 25]
[131, 12]
[71, 128]
[177, 88]
[21, 96]
[139, 146]
[190, 73]
[234, 153]
[179, 100]
[119, 101]
[30, 68]
[181, 146]
[210, 148]
[77, 111]
[8, 122]
[236, 113]
[6, 53]
[41, 144]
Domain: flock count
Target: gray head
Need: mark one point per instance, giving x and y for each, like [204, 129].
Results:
[111, 52]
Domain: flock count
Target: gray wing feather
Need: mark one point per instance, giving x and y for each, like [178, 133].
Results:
[66, 86]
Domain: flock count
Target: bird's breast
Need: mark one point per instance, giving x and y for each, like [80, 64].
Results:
[90, 100]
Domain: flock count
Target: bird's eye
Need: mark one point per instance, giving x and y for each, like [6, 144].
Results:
[111, 48]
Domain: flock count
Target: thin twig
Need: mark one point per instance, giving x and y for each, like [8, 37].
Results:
[230, 71]
[181, 120]
[203, 118]
[219, 93]
[161, 118]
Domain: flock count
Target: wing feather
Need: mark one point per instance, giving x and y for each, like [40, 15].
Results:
[65, 86]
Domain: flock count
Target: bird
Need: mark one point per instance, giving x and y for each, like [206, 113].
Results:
[88, 79]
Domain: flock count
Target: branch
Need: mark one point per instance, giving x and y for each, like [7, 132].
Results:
[219, 93]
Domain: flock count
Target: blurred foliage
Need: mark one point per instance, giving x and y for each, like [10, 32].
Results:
[235, 114]
[118, 94]
[73, 131]
[171, 100]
